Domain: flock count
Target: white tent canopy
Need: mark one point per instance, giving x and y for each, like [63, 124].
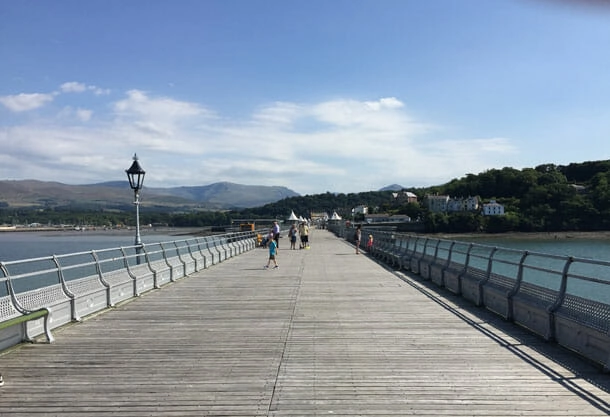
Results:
[335, 216]
[292, 216]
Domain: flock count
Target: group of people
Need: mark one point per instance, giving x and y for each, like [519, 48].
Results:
[272, 240]
[302, 231]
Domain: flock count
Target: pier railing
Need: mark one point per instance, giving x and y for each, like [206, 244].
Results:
[563, 299]
[41, 294]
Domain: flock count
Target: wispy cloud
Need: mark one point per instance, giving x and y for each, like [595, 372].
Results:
[138, 104]
[79, 114]
[83, 114]
[24, 102]
[73, 87]
[76, 87]
[30, 101]
[340, 145]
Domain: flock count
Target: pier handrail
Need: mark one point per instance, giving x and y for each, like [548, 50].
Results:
[563, 299]
[41, 294]
[18, 315]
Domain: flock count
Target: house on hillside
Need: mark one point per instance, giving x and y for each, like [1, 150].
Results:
[405, 196]
[493, 209]
[445, 204]
[437, 203]
[463, 204]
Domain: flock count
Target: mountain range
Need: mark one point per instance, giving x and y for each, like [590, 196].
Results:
[118, 195]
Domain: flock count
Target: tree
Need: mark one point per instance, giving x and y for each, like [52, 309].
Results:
[436, 222]
[501, 224]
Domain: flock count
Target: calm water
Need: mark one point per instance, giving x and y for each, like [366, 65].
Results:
[587, 248]
[24, 245]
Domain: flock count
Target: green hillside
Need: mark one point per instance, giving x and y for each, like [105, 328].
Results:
[545, 198]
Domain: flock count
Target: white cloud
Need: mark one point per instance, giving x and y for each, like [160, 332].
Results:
[76, 87]
[98, 91]
[278, 113]
[73, 87]
[388, 103]
[24, 102]
[339, 145]
[79, 114]
[138, 104]
[381, 115]
[83, 114]
[161, 124]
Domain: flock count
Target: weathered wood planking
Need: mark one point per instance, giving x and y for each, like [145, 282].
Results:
[329, 333]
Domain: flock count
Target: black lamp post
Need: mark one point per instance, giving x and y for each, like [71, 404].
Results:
[135, 174]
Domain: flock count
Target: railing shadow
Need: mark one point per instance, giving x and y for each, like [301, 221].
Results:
[495, 327]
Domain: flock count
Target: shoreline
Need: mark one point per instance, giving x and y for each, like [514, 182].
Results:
[177, 231]
[194, 231]
[599, 235]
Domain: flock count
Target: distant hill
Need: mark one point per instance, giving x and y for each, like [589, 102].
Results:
[229, 195]
[118, 195]
[393, 187]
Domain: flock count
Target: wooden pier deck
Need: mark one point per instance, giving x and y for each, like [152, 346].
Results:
[329, 333]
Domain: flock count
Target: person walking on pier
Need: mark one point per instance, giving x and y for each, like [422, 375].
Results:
[304, 232]
[276, 234]
[292, 234]
[358, 237]
[272, 254]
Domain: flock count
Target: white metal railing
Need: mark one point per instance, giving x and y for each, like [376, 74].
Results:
[41, 294]
[563, 299]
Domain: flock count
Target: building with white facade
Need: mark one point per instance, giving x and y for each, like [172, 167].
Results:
[493, 209]
[444, 203]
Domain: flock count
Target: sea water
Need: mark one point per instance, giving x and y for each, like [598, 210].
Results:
[586, 248]
[591, 248]
[26, 245]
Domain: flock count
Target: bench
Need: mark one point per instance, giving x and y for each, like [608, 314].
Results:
[32, 315]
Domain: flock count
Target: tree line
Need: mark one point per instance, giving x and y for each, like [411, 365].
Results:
[547, 198]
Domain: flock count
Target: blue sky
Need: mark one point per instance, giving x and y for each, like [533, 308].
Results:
[317, 95]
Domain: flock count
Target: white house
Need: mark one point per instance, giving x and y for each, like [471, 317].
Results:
[493, 209]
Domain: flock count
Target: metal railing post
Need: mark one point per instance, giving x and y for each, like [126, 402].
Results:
[66, 290]
[518, 281]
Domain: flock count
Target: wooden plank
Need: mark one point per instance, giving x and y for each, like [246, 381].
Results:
[329, 333]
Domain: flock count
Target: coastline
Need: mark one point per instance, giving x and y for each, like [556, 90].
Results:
[599, 235]
[55, 231]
